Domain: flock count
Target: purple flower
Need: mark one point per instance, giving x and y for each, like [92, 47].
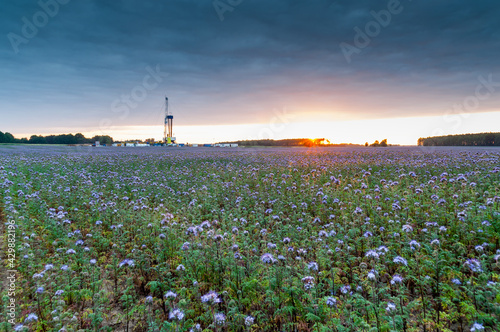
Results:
[400, 260]
[477, 327]
[474, 265]
[195, 328]
[414, 244]
[31, 317]
[397, 279]
[170, 294]
[390, 307]
[267, 258]
[176, 314]
[407, 228]
[219, 318]
[59, 292]
[308, 282]
[331, 301]
[312, 266]
[19, 327]
[129, 262]
[249, 320]
[372, 254]
[345, 289]
[38, 276]
[211, 298]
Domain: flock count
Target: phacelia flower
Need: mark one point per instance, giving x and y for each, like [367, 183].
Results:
[170, 295]
[176, 314]
[129, 262]
[390, 307]
[219, 318]
[474, 265]
[400, 260]
[312, 266]
[31, 318]
[331, 301]
[477, 327]
[249, 320]
[267, 258]
[211, 298]
[397, 279]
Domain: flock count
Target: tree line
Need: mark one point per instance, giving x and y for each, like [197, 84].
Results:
[481, 139]
[377, 144]
[56, 139]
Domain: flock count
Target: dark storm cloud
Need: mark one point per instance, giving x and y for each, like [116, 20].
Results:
[262, 55]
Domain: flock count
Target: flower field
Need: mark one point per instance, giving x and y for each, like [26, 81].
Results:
[397, 239]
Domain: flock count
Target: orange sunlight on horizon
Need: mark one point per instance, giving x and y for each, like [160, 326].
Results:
[404, 131]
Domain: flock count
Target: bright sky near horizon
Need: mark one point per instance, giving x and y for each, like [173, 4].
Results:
[403, 131]
[343, 70]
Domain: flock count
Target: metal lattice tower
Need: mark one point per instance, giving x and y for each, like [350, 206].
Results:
[169, 119]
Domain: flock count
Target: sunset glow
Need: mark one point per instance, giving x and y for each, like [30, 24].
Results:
[404, 131]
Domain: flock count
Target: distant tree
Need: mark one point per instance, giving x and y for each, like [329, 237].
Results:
[489, 139]
[8, 138]
[80, 139]
[2, 137]
[375, 144]
[366, 144]
[103, 139]
[308, 143]
[481, 139]
[34, 139]
[383, 143]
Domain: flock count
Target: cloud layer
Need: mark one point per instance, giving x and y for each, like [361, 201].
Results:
[262, 56]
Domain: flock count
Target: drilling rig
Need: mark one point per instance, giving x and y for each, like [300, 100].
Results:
[168, 138]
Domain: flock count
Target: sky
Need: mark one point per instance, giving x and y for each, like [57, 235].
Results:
[348, 71]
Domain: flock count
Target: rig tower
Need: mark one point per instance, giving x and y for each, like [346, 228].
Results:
[169, 119]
